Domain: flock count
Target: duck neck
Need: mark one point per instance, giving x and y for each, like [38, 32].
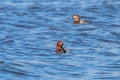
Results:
[63, 49]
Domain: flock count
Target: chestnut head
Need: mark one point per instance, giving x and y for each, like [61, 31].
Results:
[59, 43]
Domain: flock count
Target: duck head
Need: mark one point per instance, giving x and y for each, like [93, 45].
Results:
[76, 18]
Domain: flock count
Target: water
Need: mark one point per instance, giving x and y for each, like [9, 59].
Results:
[30, 29]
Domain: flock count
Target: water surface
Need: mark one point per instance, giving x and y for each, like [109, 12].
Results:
[30, 29]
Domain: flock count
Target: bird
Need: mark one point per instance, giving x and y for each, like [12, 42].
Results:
[59, 47]
[77, 19]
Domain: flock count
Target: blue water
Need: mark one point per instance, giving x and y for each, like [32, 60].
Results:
[30, 29]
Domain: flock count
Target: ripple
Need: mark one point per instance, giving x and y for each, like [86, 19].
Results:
[14, 72]
[116, 34]
[109, 41]
[2, 62]
[34, 7]
[25, 26]
[8, 42]
[115, 25]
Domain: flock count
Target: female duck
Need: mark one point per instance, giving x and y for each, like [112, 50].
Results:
[77, 20]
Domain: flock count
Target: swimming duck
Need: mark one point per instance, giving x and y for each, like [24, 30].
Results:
[77, 20]
[59, 47]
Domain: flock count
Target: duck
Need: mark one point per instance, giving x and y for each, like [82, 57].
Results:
[77, 19]
[59, 47]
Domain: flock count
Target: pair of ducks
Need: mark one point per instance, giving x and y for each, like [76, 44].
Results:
[59, 45]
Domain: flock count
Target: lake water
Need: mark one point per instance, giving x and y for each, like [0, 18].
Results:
[30, 29]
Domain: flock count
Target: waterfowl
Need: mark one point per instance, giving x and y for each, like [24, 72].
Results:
[59, 47]
[77, 20]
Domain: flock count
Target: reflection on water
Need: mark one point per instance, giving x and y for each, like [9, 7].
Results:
[30, 29]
